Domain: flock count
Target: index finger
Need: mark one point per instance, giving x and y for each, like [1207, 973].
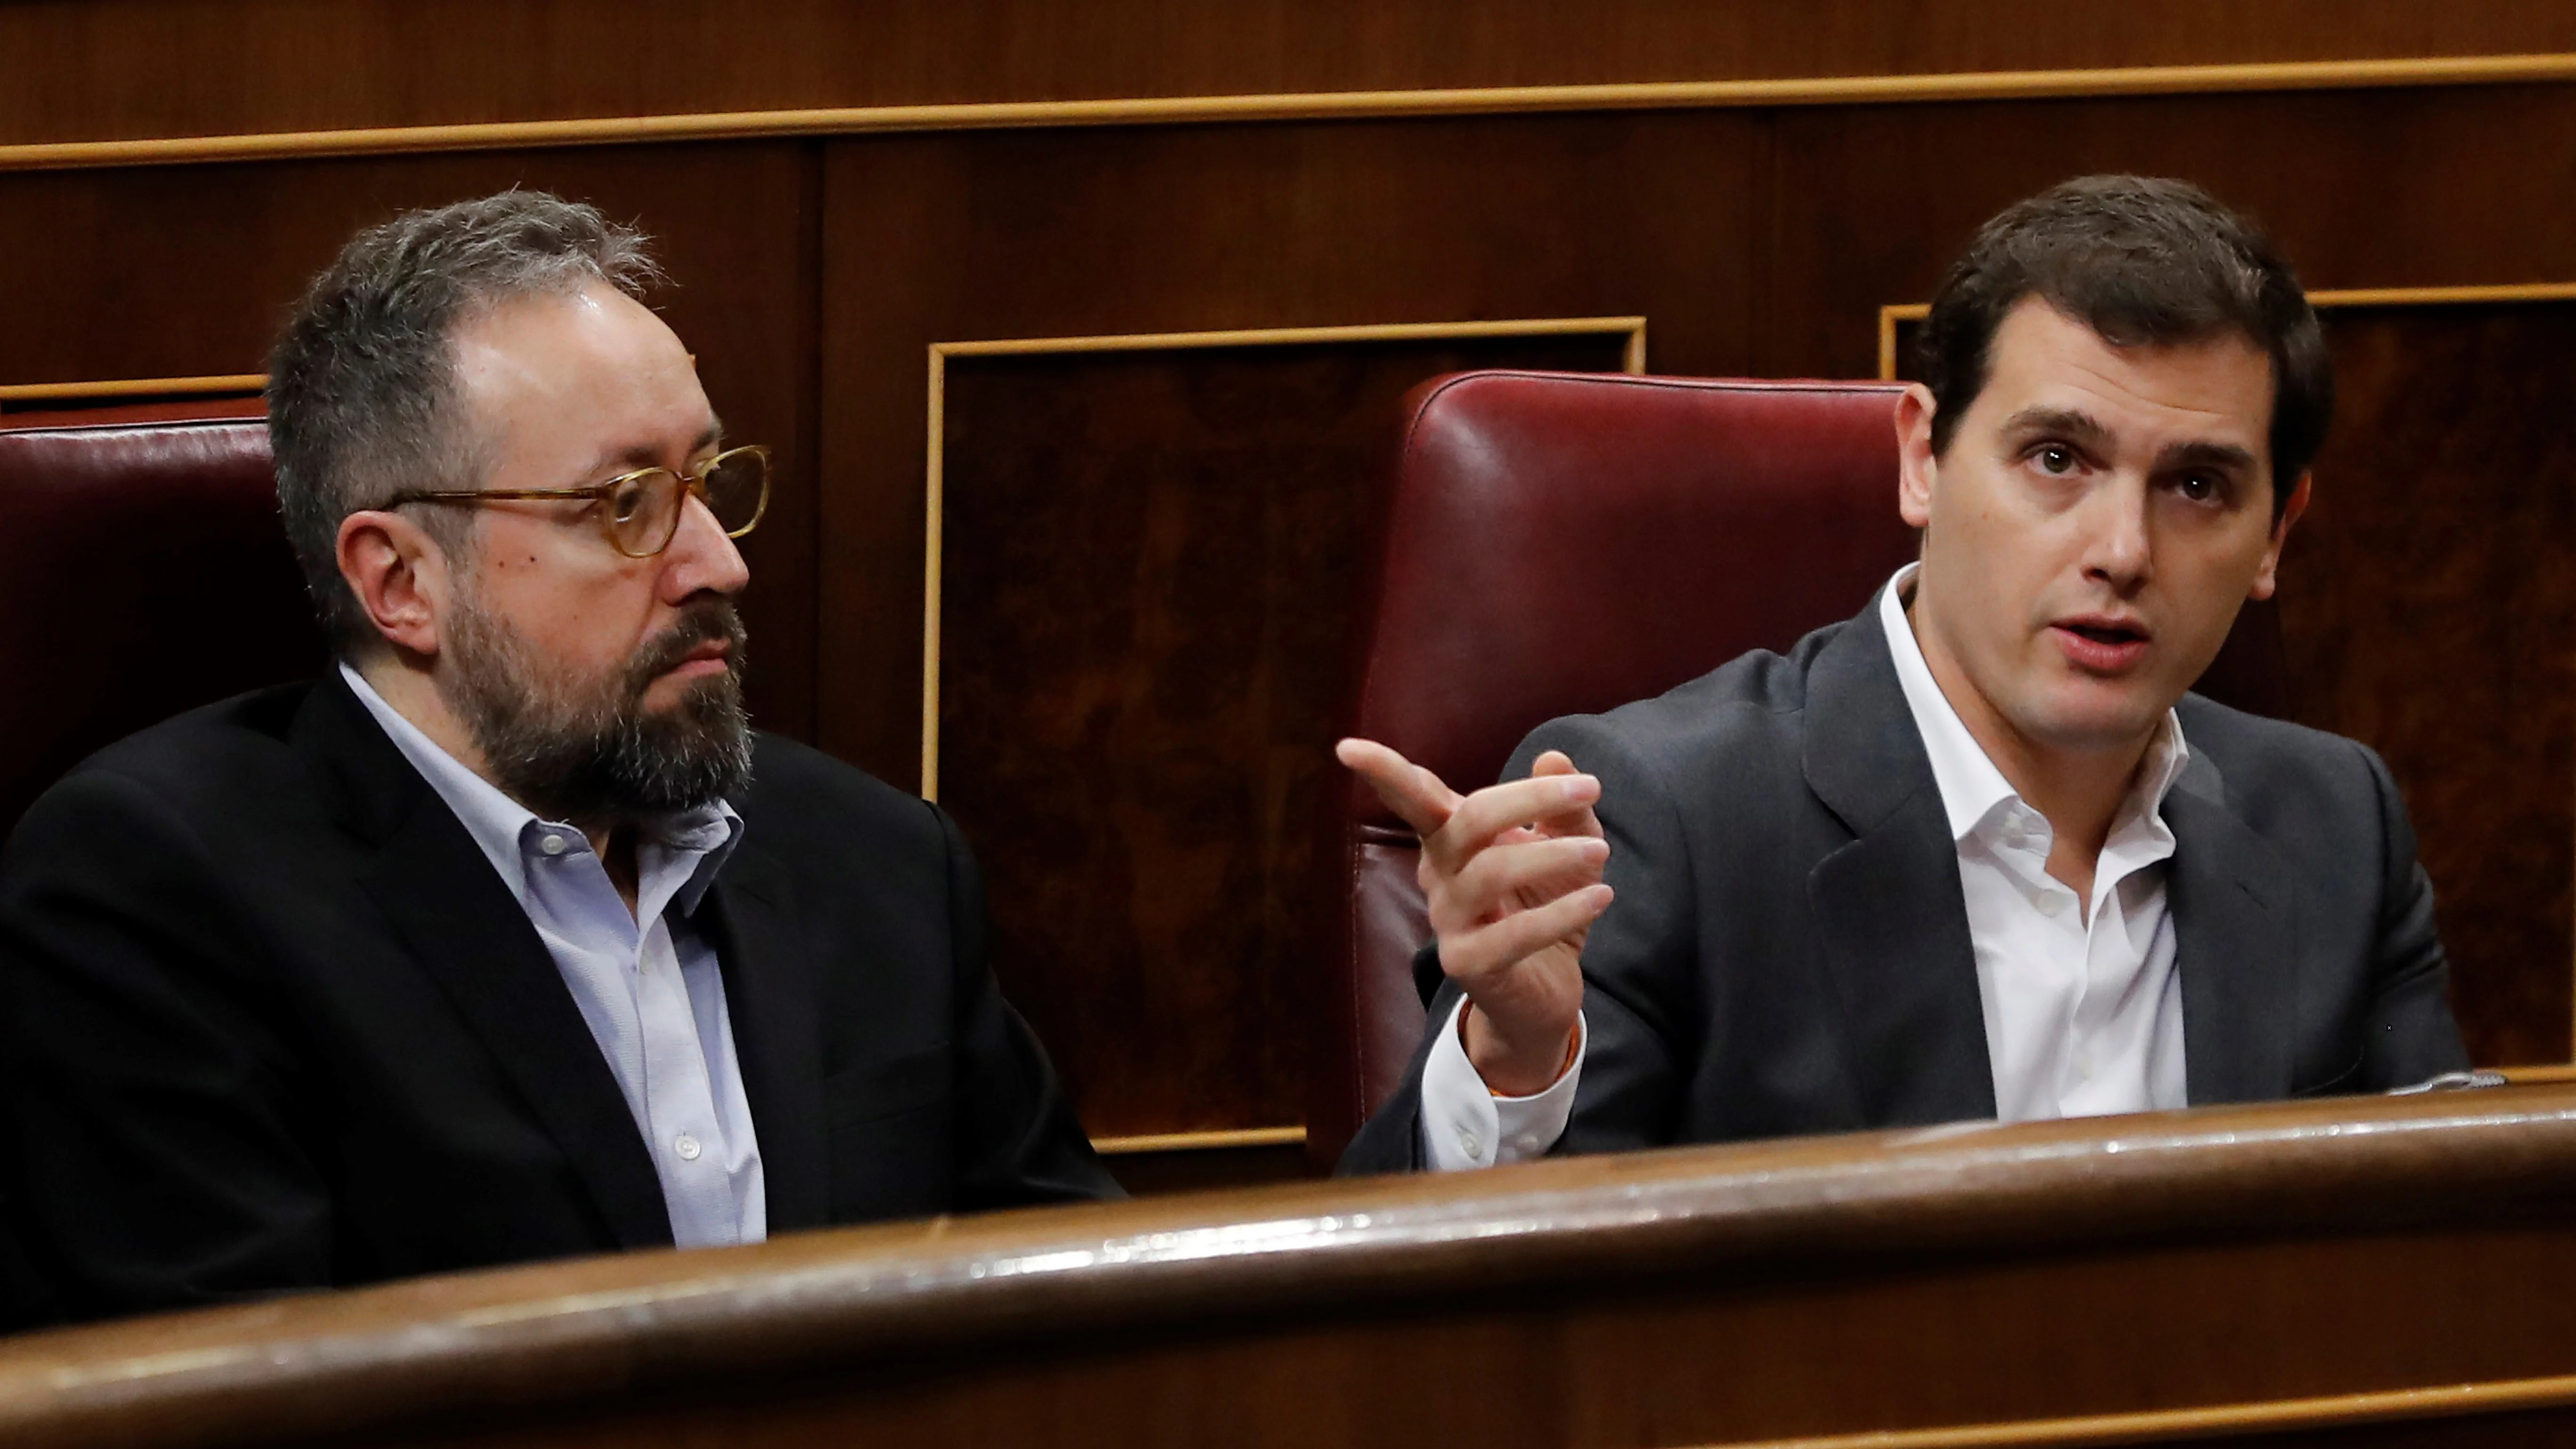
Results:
[1415, 794]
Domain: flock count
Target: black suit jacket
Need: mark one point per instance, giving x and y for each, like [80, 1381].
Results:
[274, 1022]
[1788, 951]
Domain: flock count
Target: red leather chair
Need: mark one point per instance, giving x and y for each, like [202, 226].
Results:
[147, 574]
[1563, 543]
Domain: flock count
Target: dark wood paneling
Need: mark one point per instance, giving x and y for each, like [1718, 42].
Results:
[108, 69]
[2362, 189]
[1193, 1169]
[953, 238]
[1155, 566]
[2429, 609]
[142, 274]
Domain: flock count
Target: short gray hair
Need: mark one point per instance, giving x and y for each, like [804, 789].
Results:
[362, 390]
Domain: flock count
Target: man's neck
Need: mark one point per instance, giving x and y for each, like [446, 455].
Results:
[2079, 792]
[411, 691]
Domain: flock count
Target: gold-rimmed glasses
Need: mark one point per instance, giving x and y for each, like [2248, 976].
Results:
[640, 511]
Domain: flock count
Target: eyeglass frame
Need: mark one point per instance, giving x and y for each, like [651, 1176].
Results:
[693, 484]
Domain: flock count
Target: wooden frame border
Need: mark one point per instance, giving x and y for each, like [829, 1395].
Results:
[1312, 105]
[1634, 362]
[1895, 312]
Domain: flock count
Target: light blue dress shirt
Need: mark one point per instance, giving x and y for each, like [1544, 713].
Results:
[647, 983]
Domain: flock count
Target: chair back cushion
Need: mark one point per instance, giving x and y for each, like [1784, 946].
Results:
[1563, 543]
[147, 573]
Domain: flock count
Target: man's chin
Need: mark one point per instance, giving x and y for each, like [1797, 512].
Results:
[685, 691]
[2088, 716]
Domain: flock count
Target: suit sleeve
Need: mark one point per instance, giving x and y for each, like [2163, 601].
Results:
[2411, 1033]
[1018, 1142]
[1637, 972]
[160, 1157]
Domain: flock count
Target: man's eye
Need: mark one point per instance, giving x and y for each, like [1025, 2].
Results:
[2056, 461]
[627, 500]
[2198, 487]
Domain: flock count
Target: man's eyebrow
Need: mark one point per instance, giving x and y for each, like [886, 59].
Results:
[2204, 455]
[645, 455]
[2066, 423]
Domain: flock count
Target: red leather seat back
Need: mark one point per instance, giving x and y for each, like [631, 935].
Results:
[148, 574]
[1564, 543]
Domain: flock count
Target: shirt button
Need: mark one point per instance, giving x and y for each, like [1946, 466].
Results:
[552, 845]
[1471, 1144]
[686, 1146]
[2051, 903]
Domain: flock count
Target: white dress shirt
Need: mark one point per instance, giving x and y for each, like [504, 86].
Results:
[647, 983]
[2083, 1007]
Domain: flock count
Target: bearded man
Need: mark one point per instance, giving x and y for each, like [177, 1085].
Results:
[508, 939]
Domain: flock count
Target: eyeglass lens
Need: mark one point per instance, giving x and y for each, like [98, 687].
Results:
[644, 512]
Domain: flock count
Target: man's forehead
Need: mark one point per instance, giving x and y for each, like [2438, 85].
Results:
[586, 378]
[547, 341]
[2044, 362]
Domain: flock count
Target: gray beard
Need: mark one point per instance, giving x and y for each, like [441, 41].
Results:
[584, 750]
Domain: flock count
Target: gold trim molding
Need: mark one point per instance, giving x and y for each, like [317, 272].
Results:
[1896, 312]
[1200, 1141]
[1632, 361]
[2276, 1416]
[1300, 106]
[134, 387]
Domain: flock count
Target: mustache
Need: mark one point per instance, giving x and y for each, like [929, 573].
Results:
[702, 622]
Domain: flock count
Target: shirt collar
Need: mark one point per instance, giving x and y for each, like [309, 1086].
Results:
[1972, 789]
[506, 831]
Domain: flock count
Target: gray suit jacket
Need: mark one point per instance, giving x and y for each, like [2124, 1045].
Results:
[1789, 950]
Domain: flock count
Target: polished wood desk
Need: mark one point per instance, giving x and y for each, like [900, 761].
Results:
[2381, 1271]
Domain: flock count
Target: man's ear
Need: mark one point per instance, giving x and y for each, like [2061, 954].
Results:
[1916, 469]
[2266, 578]
[399, 575]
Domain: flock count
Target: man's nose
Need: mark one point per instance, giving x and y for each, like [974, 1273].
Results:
[2119, 544]
[701, 558]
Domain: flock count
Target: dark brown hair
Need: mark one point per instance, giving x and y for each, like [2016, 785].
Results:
[2143, 262]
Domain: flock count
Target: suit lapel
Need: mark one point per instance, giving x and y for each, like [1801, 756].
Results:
[771, 997]
[1888, 907]
[2229, 896]
[463, 926]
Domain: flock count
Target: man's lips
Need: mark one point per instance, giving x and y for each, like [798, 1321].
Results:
[2101, 643]
[707, 658]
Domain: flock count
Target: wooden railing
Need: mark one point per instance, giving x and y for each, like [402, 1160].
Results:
[2395, 1269]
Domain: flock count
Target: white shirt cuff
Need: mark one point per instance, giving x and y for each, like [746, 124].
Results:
[1465, 1125]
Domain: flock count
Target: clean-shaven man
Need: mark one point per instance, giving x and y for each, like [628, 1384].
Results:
[1976, 852]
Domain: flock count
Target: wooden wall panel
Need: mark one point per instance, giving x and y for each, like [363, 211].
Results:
[73, 70]
[1154, 570]
[958, 237]
[2429, 610]
[189, 272]
[2362, 188]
